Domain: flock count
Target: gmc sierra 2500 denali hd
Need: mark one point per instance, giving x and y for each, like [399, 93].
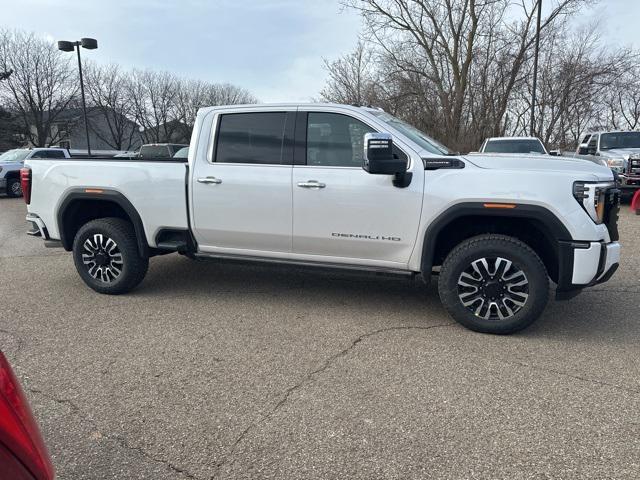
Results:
[340, 186]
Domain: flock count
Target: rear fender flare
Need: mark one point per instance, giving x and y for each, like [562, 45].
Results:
[103, 195]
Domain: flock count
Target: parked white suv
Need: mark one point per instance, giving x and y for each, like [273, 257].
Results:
[340, 186]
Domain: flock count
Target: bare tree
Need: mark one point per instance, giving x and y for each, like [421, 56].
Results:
[195, 94]
[106, 88]
[622, 100]
[41, 86]
[460, 60]
[352, 78]
[153, 97]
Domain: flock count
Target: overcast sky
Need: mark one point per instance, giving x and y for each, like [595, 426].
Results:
[272, 47]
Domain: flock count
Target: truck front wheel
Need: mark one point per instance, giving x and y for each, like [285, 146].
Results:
[494, 284]
[106, 256]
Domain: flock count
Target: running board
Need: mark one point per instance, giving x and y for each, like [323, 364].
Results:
[173, 246]
[248, 259]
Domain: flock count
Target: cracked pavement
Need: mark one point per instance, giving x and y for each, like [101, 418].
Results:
[213, 370]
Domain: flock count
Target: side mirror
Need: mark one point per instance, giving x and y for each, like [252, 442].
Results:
[378, 155]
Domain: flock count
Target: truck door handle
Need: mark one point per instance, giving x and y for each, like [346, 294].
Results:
[311, 184]
[215, 180]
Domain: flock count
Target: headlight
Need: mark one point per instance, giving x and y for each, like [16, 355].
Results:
[616, 164]
[591, 196]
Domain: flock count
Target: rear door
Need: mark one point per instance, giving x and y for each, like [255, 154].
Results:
[341, 213]
[242, 191]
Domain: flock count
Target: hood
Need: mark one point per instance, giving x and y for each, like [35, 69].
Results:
[11, 165]
[540, 163]
[620, 152]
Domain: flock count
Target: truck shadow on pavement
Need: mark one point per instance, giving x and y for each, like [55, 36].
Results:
[595, 315]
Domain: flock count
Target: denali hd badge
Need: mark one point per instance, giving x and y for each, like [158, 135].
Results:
[366, 237]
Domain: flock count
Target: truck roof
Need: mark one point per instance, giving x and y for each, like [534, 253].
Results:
[513, 138]
[290, 105]
[599, 132]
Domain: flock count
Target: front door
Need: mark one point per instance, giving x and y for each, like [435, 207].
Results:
[242, 194]
[341, 212]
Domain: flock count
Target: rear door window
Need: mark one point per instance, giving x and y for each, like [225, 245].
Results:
[258, 137]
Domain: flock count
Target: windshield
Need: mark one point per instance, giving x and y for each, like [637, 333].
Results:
[14, 155]
[182, 153]
[609, 141]
[411, 132]
[514, 146]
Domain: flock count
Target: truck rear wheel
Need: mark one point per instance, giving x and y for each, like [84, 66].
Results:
[494, 284]
[106, 256]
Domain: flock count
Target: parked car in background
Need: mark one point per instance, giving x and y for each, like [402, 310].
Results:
[182, 153]
[11, 162]
[619, 150]
[127, 154]
[344, 187]
[23, 455]
[513, 145]
[159, 150]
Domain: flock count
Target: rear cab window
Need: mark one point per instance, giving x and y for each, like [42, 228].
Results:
[155, 151]
[48, 154]
[514, 146]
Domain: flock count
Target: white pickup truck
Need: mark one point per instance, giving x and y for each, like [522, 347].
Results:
[339, 186]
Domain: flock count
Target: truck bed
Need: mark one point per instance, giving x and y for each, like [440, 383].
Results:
[157, 189]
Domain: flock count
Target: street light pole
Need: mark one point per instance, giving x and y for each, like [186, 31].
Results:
[535, 72]
[90, 44]
[84, 104]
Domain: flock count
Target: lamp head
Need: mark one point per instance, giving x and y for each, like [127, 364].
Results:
[65, 46]
[89, 43]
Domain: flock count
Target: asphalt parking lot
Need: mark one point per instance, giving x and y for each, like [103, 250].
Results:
[214, 370]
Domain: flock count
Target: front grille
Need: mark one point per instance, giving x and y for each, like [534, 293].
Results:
[634, 167]
[611, 211]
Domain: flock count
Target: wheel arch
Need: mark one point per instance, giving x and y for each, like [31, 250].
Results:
[81, 205]
[536, 226]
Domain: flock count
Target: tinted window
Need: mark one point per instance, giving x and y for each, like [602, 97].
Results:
[48, 154]
[55, 154]
[335, 140]
[155, 151]
[586, 139]
[252, 138]
[620, 140]
[514, 146]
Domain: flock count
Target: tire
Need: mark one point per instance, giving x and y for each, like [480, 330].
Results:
[106, 256]
[14, 187]
[504, 294]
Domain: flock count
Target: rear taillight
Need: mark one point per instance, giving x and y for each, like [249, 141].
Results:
[25, 183]
[20, 442]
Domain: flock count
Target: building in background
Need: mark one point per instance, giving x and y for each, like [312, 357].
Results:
[108, 131]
